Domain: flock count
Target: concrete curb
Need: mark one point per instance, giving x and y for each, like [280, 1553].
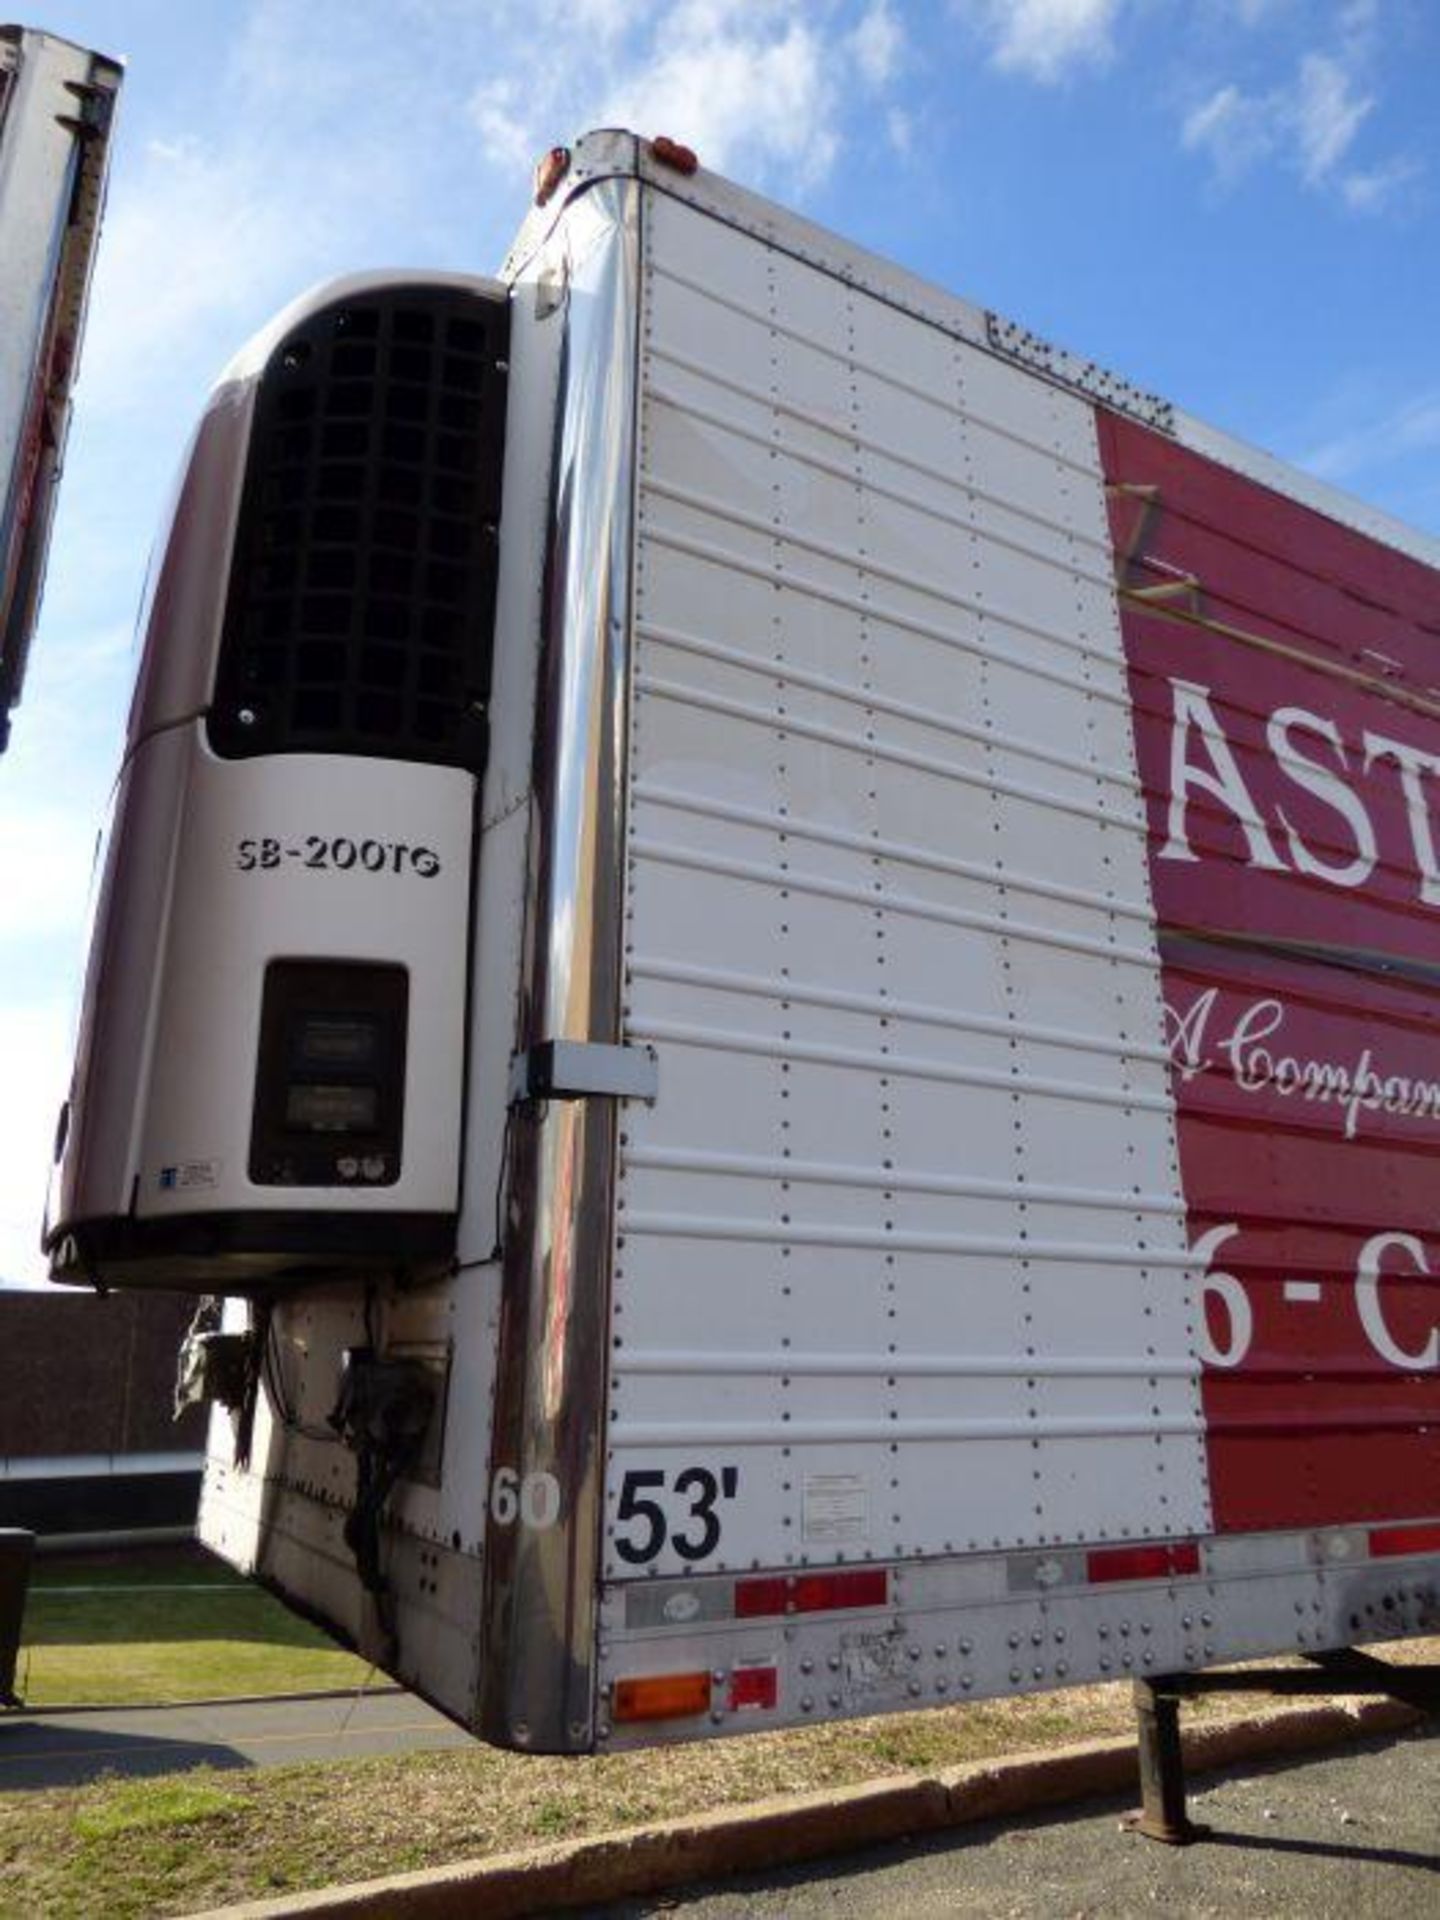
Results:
[23, 1712]
[779, 1832]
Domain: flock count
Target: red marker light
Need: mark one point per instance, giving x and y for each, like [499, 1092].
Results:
[754, 1598]
[1143, 1563]
[550, 170]
[1386, 1542]
[754, 1687]
[811, 1592]
[670, 153]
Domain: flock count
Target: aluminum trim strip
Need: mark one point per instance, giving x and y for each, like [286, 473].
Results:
[773, 989]
[940, 1366]
[782, 674]
[989, 1246]
[894, 902]
[537, 1680]
[877, 570]
[770, 1433]
[884, 750]
[797, 827]
[874, 369]
[1110, 688]
[867, 443]
[898, 1180]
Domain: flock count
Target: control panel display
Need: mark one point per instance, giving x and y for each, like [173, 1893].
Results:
[330, 1081]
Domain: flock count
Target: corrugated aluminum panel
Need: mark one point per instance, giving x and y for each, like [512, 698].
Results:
[906, 1219]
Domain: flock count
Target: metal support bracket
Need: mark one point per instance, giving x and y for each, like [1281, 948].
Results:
[1345, 1670]
[578, 1069]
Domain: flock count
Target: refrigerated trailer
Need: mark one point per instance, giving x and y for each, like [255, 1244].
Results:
[780, 946]
[57, 105]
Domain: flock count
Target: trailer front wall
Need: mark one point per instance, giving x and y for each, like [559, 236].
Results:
[901, 1265]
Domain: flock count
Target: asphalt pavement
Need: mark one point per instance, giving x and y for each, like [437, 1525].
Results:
[64, 1749]
[1354, 1835]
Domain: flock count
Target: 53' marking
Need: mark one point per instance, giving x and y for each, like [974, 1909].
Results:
[699, 1491]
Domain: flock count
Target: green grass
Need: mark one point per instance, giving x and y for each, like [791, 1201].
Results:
[113, 1630]
[171, 1845]
[130, 1849]
[147, 1806]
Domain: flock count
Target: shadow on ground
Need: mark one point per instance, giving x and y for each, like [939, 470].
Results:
[35, 1754]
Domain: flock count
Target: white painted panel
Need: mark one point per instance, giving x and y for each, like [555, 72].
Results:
[889, 933]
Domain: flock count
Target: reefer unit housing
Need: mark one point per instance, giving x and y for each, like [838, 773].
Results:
[948, 1134]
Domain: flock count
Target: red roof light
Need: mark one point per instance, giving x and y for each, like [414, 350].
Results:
[670, 153]
[550, 170]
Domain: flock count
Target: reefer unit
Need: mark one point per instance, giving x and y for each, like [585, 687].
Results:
[272, 1046]
[949, 1135]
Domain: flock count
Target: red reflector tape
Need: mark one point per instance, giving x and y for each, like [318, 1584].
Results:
[754, 1597]
[1388, 1541]
[1142, 1563]
[811, 1592]
[755, 1687]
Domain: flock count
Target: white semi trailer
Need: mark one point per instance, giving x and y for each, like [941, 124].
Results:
[57, 109]
[781, 947]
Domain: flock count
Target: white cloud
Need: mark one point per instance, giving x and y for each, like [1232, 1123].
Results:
[1253, 13]
[1309, 123]
[733, 89]
[877, 43]
[1359, 19]
[1234, 130]
[756, 87]
[510, 141]
[608, 18]
[1379, 187]
[1046, 39]
[1407, 430]
[1326, 113]
[45, 865]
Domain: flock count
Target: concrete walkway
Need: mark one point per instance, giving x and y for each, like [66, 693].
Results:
[65, 1749]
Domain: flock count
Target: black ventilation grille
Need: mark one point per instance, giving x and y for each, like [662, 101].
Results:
[362, 598]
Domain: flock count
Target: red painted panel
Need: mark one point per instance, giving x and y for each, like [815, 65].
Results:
[1287, 717]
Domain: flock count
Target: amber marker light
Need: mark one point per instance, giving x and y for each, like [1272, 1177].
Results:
[662, 1696]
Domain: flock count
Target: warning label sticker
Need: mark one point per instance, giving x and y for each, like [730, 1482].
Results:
[190, 1175]
[836, 1508]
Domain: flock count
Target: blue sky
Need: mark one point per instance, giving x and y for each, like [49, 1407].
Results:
[1233, 202]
